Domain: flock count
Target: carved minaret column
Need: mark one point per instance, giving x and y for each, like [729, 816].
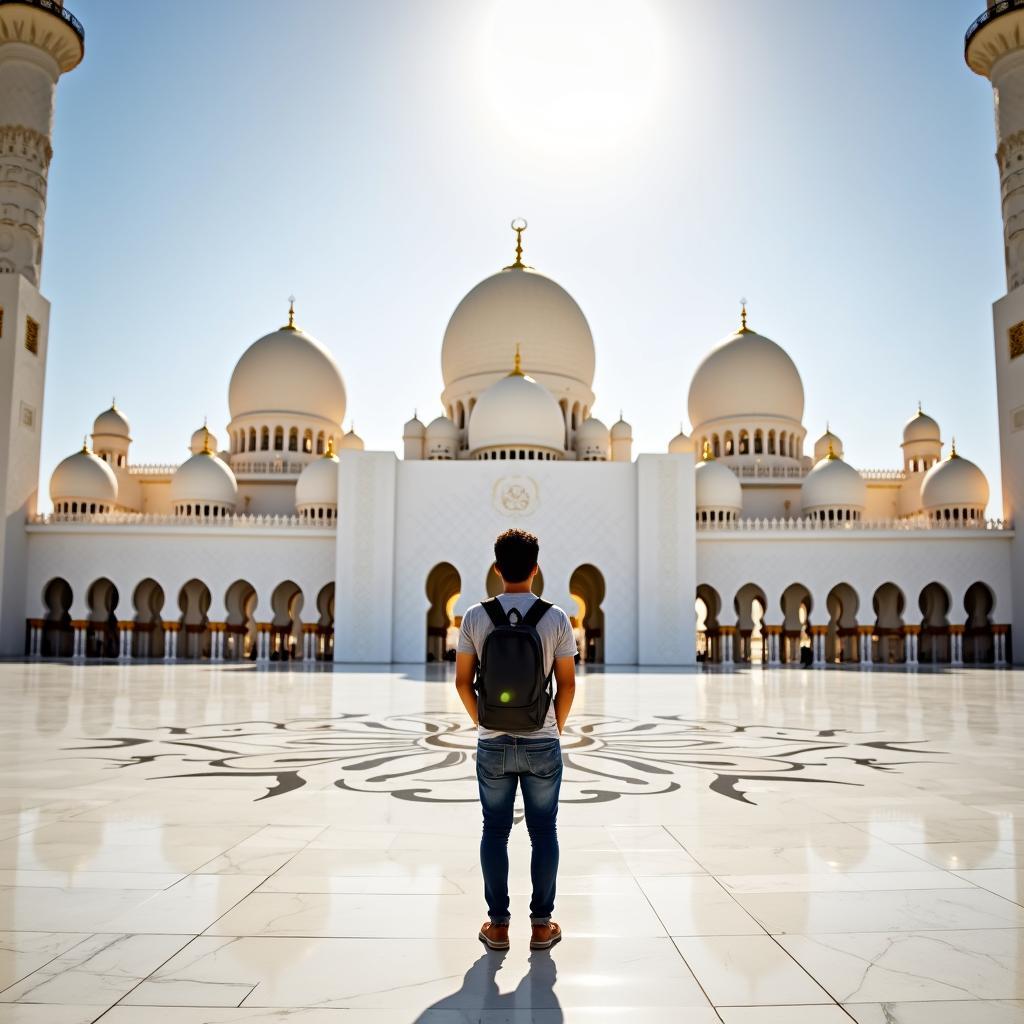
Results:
[994, 48]
[39, 40]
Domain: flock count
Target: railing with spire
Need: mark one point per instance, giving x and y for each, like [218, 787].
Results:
[995, 11]
[913, 524]
[240, 522]
[56, 9]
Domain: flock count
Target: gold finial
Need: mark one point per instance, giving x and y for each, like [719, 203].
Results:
[518, 226]
[920, 411]
[517, 364]
[207, 450]
[828, 427]
[831, 456]
[85, 443]
[329, 454]
[113, 402]
[952, 450]
[706, 455]
[743, 317]
[291, 314]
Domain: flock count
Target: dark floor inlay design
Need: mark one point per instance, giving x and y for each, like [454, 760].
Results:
[430, 757]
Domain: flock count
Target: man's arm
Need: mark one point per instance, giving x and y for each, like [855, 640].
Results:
[565, 680]
[465, 673]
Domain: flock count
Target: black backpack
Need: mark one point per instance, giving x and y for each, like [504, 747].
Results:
[513, 690]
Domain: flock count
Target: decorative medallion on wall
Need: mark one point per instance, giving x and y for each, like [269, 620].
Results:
[1016, 333]
[515, 495]
[430, 758]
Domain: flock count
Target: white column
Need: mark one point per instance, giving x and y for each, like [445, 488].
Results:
[957, 640]
[78, 647]
[217, 645]
[727, 648]
[34, 642]
[910, 643]
[1000, 652]
[169, 635]
[866, 655]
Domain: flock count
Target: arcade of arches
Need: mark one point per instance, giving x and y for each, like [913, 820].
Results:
[148, 625]
[444, 587]
[887, 628]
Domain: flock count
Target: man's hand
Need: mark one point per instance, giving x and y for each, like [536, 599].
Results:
[465, 673]
[565, 679]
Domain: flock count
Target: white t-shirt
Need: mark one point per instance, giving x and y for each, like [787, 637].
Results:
[556, 640]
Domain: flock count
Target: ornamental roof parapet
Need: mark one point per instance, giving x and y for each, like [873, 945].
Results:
[910, 525]
[221, 522]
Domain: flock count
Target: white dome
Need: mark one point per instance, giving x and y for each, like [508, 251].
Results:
[442, 429]
[318, 483]
[747, 375]
[822, 445]
[833, 483]
[352, 441]
[621, 430]
[592, 431]
[680, 443]
[84, 477]
[113, 423]
[921, 427]
[204, 478]
[203, 440]
[954, 483]
[516, 412]
[413, 428]
[592, 439]
[518, 306]
[717, 486]
[287, 371]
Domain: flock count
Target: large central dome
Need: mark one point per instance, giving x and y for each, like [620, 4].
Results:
[517, 305]
[287, 371]
[746, 375]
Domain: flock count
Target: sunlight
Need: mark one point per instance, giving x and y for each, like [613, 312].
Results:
[581, 76]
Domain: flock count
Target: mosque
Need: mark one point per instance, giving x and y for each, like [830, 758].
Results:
[282, 538]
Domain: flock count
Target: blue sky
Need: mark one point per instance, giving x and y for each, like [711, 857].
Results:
[832, 162]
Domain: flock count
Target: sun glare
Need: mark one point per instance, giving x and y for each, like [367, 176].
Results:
[578, 76]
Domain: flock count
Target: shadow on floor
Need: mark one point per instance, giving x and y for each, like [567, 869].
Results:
[479, 990]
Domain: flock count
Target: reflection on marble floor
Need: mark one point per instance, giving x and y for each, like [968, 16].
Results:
[197, 845]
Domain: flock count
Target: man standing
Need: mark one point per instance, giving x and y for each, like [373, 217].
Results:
[518, 642]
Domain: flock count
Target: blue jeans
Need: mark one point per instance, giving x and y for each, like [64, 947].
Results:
[536, 765]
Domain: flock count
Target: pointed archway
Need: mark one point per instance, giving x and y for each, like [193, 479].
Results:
[587, 587]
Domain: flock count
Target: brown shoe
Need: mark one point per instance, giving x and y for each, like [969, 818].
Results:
[494, 936]
[545, 935]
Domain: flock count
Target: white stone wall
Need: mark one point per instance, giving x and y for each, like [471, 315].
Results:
[1008, 312]
[452, 511]
[172, 555]
[865, 560]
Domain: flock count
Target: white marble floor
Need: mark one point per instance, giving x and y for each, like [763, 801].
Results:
[197, 845]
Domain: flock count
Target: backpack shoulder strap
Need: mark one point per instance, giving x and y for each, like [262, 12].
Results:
[495, 612]
[536, 612]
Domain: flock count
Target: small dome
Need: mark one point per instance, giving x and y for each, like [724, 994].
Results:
[921, 427]
[592, 439]
[112, 422]
[287, 371]
[717, 486]
[828, 441]
[954, 483]
[517, 412]
[442, 429]
[680, 443]
[592, 430]
[203, 440]
[352, 441]
[833, 483]
[621, 430]
[513, 306]
[206, 479]
[413, 428]
[746, 375]
[84, 477]
[318, 483]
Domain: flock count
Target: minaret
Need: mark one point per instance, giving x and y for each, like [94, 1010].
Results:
[39, 41]
[994, 48]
